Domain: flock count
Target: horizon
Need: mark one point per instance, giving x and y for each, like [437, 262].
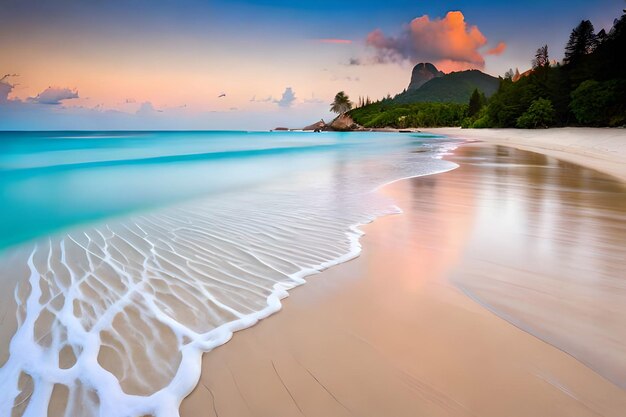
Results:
[167, 67]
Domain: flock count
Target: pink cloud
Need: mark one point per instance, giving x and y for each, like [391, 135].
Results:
[335, 41]
[448, 42]
[497, 50]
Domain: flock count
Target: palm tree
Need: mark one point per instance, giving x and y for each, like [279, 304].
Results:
[341, 104]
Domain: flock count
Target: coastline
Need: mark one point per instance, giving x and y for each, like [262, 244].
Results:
[351, 344]
[603, 149]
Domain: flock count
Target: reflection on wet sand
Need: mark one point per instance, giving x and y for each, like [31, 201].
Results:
[390, 334]
[547, 250]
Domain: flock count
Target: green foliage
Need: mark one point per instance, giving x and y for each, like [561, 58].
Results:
[600, 103]
[456, 87]
[341, 104]
[539, 114]
[575, 99]
[476, 102]
[481, 123]
[386, 113]
[481, 120]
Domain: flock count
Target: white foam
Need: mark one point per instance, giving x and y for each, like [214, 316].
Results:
[139, 300]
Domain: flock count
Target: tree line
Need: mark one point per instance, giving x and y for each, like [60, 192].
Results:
[587, 89]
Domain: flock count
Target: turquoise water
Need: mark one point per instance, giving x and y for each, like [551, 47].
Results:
[152, 248]
[53, 180]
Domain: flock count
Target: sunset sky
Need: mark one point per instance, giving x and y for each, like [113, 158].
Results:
[162, 64]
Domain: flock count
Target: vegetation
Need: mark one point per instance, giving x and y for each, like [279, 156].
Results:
[542, 58]
[589, 89]
[476, 102]
[456, 87]
[591, 99]
[341, 104]
[386, 113]
[539, 114]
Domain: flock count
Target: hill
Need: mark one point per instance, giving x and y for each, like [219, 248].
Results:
[456, 87]
[433, 99]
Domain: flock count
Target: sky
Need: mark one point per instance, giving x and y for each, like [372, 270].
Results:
[251, 65]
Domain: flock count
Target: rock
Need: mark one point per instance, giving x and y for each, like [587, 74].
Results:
[422, 73]
[343, 123]
[316, 127]
[280, 129]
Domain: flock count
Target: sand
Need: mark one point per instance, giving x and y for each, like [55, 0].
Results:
[603, 149]
[396, 331]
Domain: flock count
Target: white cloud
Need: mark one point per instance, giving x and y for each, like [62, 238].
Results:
[288, 98]
[54, 96]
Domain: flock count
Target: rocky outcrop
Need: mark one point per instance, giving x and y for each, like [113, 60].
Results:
[343, 123]
[321, 125]
[422, 73]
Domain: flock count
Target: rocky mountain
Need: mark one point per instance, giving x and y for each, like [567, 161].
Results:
[456, 87]
[422, 73]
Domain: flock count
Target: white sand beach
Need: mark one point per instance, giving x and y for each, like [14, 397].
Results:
[603, 149]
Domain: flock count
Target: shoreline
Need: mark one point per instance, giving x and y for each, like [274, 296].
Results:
[602, 149]
[324, 301]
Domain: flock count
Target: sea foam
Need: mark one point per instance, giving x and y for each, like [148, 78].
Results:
[112, 319]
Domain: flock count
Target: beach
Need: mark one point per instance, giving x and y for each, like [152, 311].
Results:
[598, 148]
[496, 292]
[488, 282]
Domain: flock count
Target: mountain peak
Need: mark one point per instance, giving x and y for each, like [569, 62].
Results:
[422, 73]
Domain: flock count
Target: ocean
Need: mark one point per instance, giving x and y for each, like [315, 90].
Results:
[126, 255]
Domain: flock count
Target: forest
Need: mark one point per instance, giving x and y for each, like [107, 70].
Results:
[587, 89]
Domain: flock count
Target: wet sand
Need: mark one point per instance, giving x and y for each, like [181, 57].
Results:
[435, 317]
[603, 149]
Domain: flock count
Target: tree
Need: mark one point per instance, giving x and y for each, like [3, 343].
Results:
[341, 104]
[476, 102]
[601, 37]
[541, 58]
[582, 41]
[600, 103]
[509, 74]
[539, 114]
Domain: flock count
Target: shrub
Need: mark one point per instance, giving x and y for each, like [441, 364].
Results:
[482, 123]
[539, 114]
[599, 103]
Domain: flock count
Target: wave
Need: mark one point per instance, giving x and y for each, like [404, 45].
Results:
[112, 320]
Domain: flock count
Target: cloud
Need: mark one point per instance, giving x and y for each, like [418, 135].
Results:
[497, 50]
[335, 41]
[447, 42]
[145, 109]
[268, 99]
[6, 87]
[289, 96]
[54, 96]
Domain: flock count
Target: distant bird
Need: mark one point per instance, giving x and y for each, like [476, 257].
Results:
[222, 95]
